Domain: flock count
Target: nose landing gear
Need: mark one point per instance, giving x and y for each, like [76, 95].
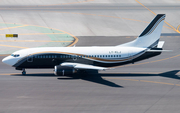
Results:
[23, 72]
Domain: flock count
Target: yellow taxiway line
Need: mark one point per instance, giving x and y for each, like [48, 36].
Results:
[73, 42]
[13, 27]
[13, 46]
[107, 16]
[37, 34]
[173, 28]
[5, 55]
[31, 41]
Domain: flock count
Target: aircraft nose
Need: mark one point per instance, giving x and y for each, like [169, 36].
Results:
[8, 61]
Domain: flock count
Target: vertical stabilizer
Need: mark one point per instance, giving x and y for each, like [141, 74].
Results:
[149, 38]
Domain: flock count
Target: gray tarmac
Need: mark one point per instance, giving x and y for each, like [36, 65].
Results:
[149, 86]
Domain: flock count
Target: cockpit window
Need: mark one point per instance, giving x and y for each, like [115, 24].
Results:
[15, 55]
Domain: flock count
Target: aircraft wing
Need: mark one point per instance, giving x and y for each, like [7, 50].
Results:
[83, 66]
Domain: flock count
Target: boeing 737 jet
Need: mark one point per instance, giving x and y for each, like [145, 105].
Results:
[69, 60]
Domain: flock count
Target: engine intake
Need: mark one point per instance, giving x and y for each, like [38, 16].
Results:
[63, 70]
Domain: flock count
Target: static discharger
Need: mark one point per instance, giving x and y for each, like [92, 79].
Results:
[11, 35]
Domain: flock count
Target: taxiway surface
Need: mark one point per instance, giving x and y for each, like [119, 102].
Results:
[149, 86]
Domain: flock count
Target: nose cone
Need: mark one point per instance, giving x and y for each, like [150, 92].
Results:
[9, 61]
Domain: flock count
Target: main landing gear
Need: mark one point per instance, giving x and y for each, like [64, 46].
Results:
[23, 72]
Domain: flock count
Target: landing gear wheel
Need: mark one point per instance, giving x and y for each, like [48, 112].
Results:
[23, 72]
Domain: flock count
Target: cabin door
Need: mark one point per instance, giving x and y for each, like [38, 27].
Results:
[130, 55]
[30, 58]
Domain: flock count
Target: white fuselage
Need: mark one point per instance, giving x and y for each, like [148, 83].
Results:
[99, 54]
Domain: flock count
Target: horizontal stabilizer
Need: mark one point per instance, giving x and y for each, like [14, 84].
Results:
[159, 50]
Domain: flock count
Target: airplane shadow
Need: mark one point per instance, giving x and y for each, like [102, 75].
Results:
[91, 77]
[96, 77]
[169, 74]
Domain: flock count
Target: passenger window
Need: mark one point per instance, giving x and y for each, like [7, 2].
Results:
[119, 55]
[111, 55]
[100, 55]
[97, 55]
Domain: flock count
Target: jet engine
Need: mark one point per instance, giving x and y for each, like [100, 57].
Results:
[63, 70]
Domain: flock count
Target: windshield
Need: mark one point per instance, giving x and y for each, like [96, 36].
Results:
[15, 55]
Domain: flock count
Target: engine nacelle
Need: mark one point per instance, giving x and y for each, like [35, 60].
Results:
[63, 70]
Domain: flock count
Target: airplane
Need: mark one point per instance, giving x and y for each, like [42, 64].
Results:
[69, 60]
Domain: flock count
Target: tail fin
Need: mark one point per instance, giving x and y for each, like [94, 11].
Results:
[149, 38]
